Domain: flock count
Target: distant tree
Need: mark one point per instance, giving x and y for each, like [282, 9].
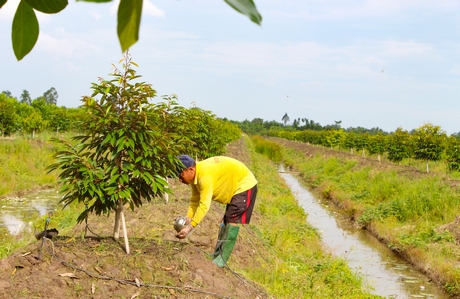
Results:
[456, 135]
[285, 119]
[337, 123]
[334, 137]
[452, 152]
[59, 120]
[7, 93]
[51, 96]
[45, 109]
[399, 145]
[377, 145]
[361, 142]
[295, 124]
[349, 142]
[8, 116]
[34, 123]
[25, 97]
[429, 143]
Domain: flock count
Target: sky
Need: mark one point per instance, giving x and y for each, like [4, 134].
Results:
[385, 64]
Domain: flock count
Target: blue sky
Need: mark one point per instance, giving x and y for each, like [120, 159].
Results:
[385, 64]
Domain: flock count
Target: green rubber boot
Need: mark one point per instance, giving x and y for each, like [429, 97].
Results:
[229, 240]
[220, 241]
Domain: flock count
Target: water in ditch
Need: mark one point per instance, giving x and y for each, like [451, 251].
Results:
[17, 213]
[384, 272]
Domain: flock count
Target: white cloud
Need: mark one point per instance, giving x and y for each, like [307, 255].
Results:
[455, 70]
[95, 15]
[66, 46]
[152, 10]
[406, 49]
[339, 10]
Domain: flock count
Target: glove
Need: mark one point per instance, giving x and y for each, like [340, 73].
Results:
[185, 231]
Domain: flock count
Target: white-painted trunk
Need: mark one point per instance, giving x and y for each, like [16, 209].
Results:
[125, 233]
[116, 227]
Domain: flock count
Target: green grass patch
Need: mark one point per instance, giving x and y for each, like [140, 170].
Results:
[405, 210]
[297, 266]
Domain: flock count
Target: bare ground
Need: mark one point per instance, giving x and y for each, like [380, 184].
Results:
[158, 266]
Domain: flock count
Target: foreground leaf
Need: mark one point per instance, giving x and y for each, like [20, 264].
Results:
[129, 20]
[246, 7]
[25, 30]
[48, 6]
[2, 2]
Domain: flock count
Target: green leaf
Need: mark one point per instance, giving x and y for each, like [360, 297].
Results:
[48, 6]
[25, 30]
[246, 7]
[129, 20]
[2, 2]
[97, 1]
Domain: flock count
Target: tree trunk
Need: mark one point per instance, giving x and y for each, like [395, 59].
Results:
[116, 227]
[427, 170]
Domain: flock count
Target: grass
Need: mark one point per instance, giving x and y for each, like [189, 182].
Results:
[297, 266]
[23, 164]
[404, 211]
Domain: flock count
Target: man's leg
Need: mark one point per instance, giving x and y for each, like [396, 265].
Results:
[239, 210]
[220, 240]
[230, 235]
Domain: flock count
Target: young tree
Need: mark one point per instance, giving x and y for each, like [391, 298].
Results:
[377, 145]
[349, 141]
[399, 145]
[34, 123]
[8, 116]
[452, 152]
[122, 157]
[429, 143]
[334, 137]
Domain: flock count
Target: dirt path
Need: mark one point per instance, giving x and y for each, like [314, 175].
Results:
[159, 266]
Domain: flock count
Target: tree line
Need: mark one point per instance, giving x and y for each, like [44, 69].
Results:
[427, 143]
[208, 133]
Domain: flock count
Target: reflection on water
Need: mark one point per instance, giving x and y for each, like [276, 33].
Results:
[384, 273]
[16, 213]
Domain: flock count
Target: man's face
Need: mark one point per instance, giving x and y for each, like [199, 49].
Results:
[187, 175]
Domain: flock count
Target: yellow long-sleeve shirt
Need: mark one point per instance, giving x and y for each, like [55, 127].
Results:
[218, 179]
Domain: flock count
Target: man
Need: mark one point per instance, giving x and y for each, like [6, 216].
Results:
[225, 180]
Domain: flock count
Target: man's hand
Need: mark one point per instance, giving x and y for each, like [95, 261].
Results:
[185, 231]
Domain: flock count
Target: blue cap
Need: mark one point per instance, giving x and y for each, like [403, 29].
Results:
[187, 161]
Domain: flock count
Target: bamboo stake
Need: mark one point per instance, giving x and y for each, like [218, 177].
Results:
[125, 233]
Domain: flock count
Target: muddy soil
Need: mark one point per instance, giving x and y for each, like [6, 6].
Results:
[76, 264]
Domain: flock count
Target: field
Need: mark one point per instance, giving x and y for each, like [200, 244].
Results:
[275, 257]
